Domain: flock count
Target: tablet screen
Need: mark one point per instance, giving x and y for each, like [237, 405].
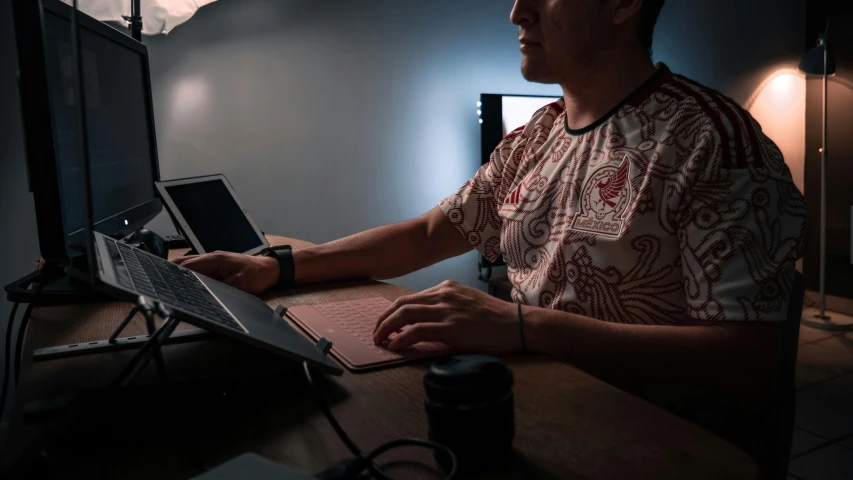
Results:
[210, 211]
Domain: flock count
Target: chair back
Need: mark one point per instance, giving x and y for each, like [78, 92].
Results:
[770, 437]
[766, 432]
[784, 386]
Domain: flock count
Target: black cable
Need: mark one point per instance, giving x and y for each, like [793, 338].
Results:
[25, 320]
[351, 468]
[353, 448]
[7, 359]
[19, 355]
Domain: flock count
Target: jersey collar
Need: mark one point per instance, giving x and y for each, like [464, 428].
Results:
[635, 98]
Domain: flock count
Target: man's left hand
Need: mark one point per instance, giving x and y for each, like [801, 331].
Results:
[459, 316]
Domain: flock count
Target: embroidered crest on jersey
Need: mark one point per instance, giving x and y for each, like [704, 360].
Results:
[605, 197]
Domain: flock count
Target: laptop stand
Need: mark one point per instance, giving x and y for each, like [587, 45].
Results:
[59, 289]
[115, 343]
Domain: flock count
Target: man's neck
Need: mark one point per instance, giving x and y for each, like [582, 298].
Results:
[601, 84]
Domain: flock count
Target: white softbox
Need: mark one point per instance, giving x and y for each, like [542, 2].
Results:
[158, 16]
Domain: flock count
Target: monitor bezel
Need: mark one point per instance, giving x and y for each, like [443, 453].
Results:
[38, 119]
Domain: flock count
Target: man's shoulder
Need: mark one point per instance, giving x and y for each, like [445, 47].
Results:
[708, 112]
[543, 120]
[531, 133]
[716, 110]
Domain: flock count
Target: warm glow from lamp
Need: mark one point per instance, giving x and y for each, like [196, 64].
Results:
[782, 91]
[779, 106]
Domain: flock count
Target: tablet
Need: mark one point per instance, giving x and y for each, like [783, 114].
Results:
[210, 216]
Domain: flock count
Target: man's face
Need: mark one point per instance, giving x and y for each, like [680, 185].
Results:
[557, 35]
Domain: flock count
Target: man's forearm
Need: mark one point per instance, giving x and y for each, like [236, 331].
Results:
[693, 364]
[383, 252]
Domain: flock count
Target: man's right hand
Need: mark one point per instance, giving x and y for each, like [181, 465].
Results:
[250, 274]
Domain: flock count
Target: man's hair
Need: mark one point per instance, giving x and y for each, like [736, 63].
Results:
[648, 18]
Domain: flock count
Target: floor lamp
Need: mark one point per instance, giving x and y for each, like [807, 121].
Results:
[820, 62]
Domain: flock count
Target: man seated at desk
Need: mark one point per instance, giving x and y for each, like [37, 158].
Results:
[650, 228]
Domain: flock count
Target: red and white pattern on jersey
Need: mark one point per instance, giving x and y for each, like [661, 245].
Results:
[698, 217]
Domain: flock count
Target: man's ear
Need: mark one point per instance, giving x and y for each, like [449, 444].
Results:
[624, 10]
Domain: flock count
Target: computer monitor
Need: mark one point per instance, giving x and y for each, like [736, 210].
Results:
[499, 115]
[120, 119]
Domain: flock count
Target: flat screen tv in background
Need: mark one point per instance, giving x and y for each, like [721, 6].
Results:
[119, 110]
[499, 115]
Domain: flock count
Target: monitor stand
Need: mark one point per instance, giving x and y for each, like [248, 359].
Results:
[69, 284]
[148, 241]
[59, 288]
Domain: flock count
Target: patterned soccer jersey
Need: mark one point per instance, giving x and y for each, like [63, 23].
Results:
[673, 208]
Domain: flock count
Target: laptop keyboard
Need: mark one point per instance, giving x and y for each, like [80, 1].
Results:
[164, 281]
[349, 325]
[358, 318]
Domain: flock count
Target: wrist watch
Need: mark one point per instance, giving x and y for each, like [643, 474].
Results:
[284, 255]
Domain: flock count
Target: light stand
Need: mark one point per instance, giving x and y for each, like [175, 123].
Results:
[818, 61]
[135, 20]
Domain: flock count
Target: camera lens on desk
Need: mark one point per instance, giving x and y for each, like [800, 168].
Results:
[469, 405]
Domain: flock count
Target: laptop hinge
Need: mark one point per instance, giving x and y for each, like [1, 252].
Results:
[324, 344]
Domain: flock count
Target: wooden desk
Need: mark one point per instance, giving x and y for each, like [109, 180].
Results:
[569, 425]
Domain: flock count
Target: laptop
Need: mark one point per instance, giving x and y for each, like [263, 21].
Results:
[126, 273]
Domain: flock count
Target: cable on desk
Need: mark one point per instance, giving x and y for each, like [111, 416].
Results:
[19, 354]
[350, 469]
[7, 359]
[25, 320]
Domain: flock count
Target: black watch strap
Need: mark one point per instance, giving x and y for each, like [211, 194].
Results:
[284, 255]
